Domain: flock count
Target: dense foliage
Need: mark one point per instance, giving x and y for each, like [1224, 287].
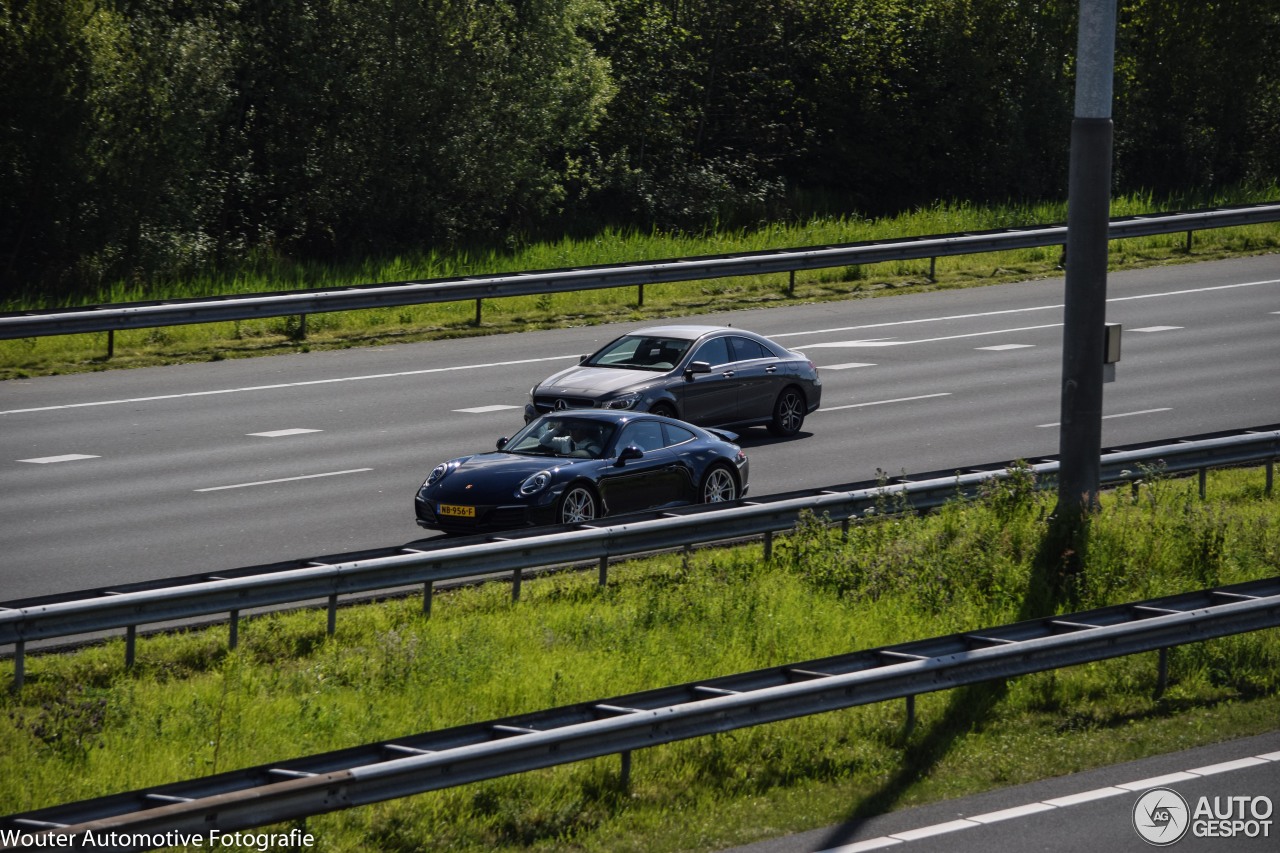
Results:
[155, 138]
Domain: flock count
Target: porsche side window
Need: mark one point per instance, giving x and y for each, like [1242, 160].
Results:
[676, 435]
[646, 435]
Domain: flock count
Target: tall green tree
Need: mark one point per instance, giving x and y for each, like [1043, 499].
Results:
[44, 70]
[1197, 92]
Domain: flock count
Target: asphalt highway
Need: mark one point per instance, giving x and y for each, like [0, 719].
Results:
[138, 474]
[1219, 799]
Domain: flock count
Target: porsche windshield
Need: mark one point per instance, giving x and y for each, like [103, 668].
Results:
[577, 438]
[641, 352]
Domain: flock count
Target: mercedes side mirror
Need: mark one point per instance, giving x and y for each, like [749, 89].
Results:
[502, 442]
[697, 367]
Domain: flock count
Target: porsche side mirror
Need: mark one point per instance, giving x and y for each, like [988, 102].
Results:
[631, 452]
[697, 367]
[502, 442]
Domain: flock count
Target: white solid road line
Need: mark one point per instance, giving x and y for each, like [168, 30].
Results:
[1015, 311]
[283, 480]
[886, 342]
[69, 457]
[290, 384]
[897, 838]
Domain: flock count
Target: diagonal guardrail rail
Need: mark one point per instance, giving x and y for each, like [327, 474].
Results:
[193, 811]
[186, 598]
[141, 315]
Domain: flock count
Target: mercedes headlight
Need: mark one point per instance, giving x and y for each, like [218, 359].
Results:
[626, 401]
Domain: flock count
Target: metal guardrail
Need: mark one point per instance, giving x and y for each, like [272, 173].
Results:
[186, 598]
[270, 794]
[140, 315]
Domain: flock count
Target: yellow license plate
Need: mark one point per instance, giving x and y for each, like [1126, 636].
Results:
[459, 511]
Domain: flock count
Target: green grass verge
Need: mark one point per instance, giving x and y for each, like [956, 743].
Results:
[215, 341]
[83, 726]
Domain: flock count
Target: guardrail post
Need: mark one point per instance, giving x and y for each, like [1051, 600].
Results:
[517, 578]
[428, 593]
[604, 570]
[477, 322]
[768, 546]
[791, 283]
[1271, 466]
[688, 549]
[640, 296]
[333, 615]
[1162, 673]
[19, 664]
[1189, 242]
[111, 344]
[1204, 473]
[624, 777]
[130, 646]
[910, 724]
[234, 639]
[933, 269]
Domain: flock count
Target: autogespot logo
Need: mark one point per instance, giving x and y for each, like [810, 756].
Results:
[1161, 816]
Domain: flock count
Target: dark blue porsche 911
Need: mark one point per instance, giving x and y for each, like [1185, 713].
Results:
[577, 465]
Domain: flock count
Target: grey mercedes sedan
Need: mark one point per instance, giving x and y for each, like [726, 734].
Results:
[713, 376]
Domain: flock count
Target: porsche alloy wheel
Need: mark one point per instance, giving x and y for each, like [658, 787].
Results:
[719, 486]
[578, 505]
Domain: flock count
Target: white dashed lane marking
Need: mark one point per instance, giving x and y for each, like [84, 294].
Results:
[1121, 415]
[70, 457]
[281, 433]
[1048, 805]
[1003, 347]
[847, 366]
[283, 480]
[883, 402]
[1155, 329]
[482, 410]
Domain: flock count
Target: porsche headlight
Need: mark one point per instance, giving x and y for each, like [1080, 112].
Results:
[626, 401]
[535, 484]
[437, 474]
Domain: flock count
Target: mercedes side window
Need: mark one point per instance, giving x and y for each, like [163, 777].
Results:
[745, 349]
[714, 352]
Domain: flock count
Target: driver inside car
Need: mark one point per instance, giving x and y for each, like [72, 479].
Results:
[572, 438]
